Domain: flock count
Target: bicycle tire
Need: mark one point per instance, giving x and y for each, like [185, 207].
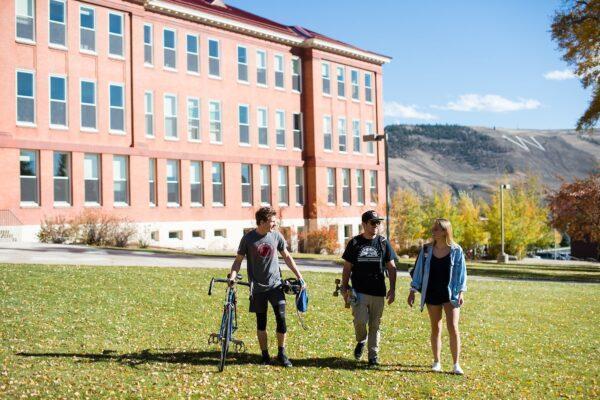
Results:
[226, 339]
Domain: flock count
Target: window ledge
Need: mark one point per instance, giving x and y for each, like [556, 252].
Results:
[171, 139]
[57, 47]
[117, 133]
[92, 205]
[194, 140]
[116, 57]
[88, 52]
[26, 125]
[218, 205]
[121, 205]
[29, 204]
[59, 127]
[60, 204]
[25, 41]
[196, 205]
[245, 145]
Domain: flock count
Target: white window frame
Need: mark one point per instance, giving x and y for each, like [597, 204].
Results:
[177, 181]
[126, 180]
[262, 168]
[341, 81]
[165, 29]
[327, 131]
[218, 121]
[98, 178]
[346, 186]
[149, 112]
[191, 119]
[369, 131]
[188, 53]
[325, 67]
[50, 22]
[280, 118]
[81, 104]
[342, 126]
[95, 30]
[299, 132]
[117, 131]
[240, 124]
[279, 58]
[360, 186]
[299, 184]
[171, 115]
[295, 60]
[148, 44]
[331, 184]
[68, 178]
[249, 184]
[33, 80]
[260, 67]
[372, 173]
[36, 203]
[221, 182]
[152, 168]
[265, 125]
[237, 54]
[355, 135]
[369, 88]
[65, 102]
[218, 58]
[33, 17]
[285, 186]
[122, 35]
[355, 85]
[197, 182]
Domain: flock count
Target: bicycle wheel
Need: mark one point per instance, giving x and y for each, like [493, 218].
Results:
[226, 339]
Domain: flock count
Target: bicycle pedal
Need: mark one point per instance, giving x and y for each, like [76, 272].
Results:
[213, 338]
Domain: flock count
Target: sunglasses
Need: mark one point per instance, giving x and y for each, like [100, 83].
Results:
[374, 223]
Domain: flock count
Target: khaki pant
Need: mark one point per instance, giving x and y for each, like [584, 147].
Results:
[368, 310]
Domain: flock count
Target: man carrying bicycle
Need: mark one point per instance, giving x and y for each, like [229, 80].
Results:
[260, 246]
[366, 258]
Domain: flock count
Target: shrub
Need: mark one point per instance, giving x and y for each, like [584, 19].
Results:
[122, 233]
[55, 229]
[321, 240]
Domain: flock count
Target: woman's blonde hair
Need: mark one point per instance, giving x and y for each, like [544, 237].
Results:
[446, 226]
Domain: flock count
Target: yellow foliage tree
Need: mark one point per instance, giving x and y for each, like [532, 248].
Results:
[441, 205]
[406, 219]
[469, 221]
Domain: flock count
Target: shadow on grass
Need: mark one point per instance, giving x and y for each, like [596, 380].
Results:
[212, 358]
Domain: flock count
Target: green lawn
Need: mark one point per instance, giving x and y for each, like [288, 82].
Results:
[106, 332]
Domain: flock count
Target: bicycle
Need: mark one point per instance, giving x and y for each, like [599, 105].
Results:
[228, 321]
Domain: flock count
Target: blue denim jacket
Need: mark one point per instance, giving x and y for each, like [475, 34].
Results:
[458, 274]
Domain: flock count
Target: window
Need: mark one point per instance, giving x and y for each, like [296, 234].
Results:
[152, 181]
[342, 134]
[341, 82]
[246, 184]
[170, 110]
[296, 75]
[261, 68]
[327, 142]
[193, 106]
[154, 235]
[265, 184]
[25, 20]
[354, 83]
[214, 111]
[149, 113]
[199, 234]
[330, 185]
[214, 52]
[368, 88]
[193, 64]
[217, 182]
[369, 131]
[283, 186]
[263, 129]
[148, 45]
[220, 233]
[360, 186]
[280, 128]
[279, 77]
[242, 54]
[373, 186]
[345, 186]
[173, 183]
[244, 123]
[196, 194]
[117, 108]
[58, 101]
[169, 49]
[62, 178]
[177, 235]
[115, 35]
[356, 135]
[87, 29]
[92, 173]
[120, 180]
[298, 136]
[88, 105]
[299, 186]
[347, 233]
[25, 97]
[58, 23]
[326, 78]
[30, 193]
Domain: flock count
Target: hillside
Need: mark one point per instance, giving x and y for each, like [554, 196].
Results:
[474, 159]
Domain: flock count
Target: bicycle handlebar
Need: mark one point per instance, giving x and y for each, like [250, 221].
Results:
[220, 280]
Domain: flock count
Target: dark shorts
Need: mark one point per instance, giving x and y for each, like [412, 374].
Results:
[437, 297]
[259, 301]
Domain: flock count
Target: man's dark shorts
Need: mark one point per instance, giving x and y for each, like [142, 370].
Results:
[259, 301]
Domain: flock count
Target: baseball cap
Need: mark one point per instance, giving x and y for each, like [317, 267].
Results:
[371, 215]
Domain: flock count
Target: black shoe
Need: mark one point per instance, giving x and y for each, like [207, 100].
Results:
[283, 360]
[373, 362]
[266, 360]
[358, 350]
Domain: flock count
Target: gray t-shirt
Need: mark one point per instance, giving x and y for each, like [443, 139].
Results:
[262, 261]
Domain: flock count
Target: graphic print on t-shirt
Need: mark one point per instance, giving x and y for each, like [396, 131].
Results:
[368, 254]
[265, 250]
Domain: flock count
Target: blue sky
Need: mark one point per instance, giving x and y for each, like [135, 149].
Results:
[479, 62]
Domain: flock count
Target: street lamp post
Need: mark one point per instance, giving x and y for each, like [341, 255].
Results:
[502, 257]
[378, 138]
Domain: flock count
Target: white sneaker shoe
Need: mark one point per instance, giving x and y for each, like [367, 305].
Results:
[457, 370]
[436, 367]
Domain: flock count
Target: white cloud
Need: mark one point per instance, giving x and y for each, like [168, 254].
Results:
[560, 75]
[490, 103]
[394, 109]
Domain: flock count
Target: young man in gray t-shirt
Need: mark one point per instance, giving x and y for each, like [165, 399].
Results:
[260, 246]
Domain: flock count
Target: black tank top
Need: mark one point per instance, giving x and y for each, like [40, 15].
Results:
[439, 275]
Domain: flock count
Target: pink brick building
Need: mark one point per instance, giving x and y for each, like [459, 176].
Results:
[185, 116]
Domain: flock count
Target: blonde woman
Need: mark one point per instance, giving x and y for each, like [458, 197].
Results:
[440, 276]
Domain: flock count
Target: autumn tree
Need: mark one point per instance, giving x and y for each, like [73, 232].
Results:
[575, 208]
[442, 205]
[469, 221]
[576, 29]
[406, 218]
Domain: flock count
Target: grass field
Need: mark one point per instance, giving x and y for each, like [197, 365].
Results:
[107, 332]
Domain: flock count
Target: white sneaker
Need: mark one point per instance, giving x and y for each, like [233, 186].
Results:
[457, 370]
[436, 367]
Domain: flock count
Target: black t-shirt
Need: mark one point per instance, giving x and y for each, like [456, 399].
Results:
[367, 257]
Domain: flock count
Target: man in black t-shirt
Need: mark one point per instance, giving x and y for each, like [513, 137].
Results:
[366, 258]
